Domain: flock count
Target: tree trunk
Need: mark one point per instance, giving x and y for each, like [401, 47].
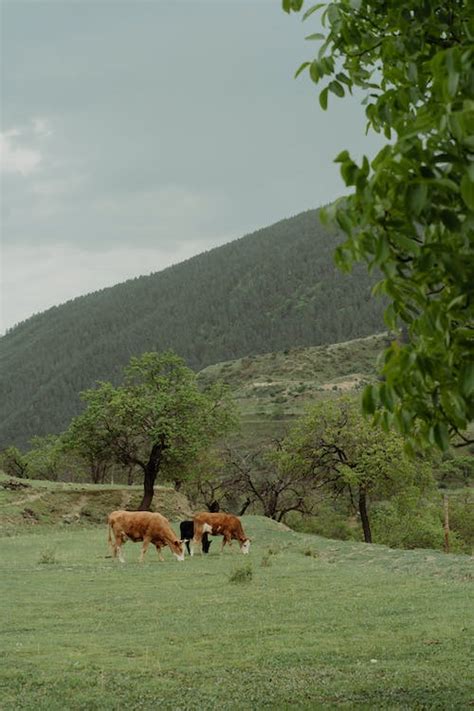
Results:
[150, 471]
[244, 506]
[364, 516]
[446, 523]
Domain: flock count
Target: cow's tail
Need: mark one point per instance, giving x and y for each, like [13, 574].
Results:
[110, 535]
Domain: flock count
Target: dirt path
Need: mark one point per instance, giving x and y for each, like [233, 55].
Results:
[30, 497]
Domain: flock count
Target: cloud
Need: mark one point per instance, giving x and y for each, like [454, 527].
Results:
[16, 158]
[42, 127]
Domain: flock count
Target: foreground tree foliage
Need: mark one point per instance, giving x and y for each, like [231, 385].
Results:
[158, 420]
[411, 211]
[345, 455]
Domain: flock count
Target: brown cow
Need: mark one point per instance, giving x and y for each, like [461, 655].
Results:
[220, 524]
[142, 526]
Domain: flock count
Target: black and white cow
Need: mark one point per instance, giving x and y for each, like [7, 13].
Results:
[187, 533]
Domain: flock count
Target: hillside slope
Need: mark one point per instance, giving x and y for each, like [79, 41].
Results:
[26, 504]
[285, 382]
[274, 289]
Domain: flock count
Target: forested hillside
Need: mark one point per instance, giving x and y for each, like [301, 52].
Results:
[274, 289]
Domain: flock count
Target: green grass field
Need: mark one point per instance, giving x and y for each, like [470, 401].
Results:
[314, 624]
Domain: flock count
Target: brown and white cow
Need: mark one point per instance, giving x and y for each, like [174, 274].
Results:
[142, 526]
[220, 524]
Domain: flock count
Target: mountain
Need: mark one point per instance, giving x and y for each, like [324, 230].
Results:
[274, 289]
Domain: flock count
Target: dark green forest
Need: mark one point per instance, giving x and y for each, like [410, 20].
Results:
[270, 290]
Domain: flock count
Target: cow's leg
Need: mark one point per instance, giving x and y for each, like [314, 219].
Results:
[158, 550]
[227, 539]
[118, 549]
[146, 543]
[196, 539]
[186, 542]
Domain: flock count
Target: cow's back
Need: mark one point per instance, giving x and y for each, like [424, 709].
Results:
[219, 522]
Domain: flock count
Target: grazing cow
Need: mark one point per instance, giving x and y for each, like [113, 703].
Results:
[220, 524]
[187, 532]
[142, 526]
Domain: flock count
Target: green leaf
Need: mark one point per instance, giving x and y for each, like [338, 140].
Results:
[323, 99]
[467, 191]
[368, 400]
[315, 71]
[466, 379]
[416, 196]
[342, 157]
[441, 436]
[387, 396]
[315, 36]
[343, 221]
[301, 68]
[312, 9]
[336, 88]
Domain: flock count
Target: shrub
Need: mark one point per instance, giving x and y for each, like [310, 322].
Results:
[461, 520]
[326, 522]
[47, 557]
[244, 574]
[456, 471]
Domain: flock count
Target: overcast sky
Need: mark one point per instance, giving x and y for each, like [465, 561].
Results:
[135, 134]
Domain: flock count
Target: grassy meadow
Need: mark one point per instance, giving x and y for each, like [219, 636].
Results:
[302, 622]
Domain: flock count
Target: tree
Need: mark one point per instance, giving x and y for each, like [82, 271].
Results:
[256, 477]
[345, 454]
[13, 462]
[158, 420]
[47, 459]
[411, 211]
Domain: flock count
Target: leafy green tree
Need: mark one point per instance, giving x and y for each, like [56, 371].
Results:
[346, 455]
[411, 210]
[158, 420]
[13, 462]
[47, 459]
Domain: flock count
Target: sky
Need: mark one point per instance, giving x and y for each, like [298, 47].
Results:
[137, 133]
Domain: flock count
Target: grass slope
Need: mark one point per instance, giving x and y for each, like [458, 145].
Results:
[270, 390]
[31, 504]
[321, 624]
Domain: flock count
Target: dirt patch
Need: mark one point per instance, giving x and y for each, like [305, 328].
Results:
[82, 507]
[341, 385]
[14, 485]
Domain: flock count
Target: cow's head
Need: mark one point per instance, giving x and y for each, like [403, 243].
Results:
[178, 549]
[245, 546]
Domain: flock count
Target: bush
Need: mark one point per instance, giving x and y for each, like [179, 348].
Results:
[412, 522]
[244, 574]
[47, 557]
[461, 520]
[456, 471]
[327, 522]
